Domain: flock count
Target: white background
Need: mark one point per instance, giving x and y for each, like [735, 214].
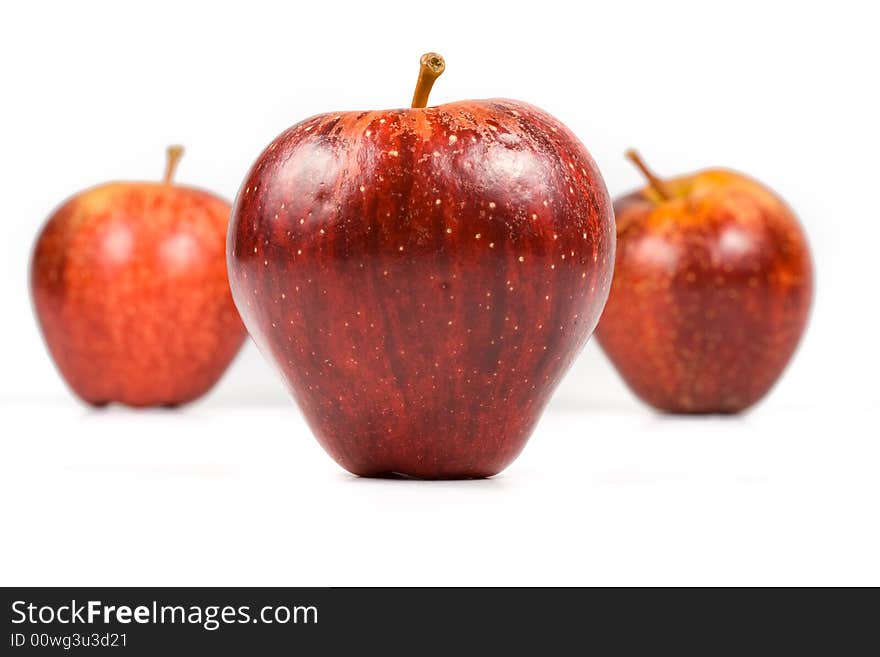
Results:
[234, 490]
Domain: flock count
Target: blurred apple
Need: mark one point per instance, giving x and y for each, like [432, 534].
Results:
[712, 289]
[130, 290]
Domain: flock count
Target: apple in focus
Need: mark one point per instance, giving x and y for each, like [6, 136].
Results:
[712, 289]
[129, 287]
[423, 277]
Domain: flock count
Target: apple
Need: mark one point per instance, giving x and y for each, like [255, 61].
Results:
[712, 289]
[130, 290]
[423, 277]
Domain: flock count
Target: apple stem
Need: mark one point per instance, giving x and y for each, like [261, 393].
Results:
[174, 155]
[431, 66]
[657, 184]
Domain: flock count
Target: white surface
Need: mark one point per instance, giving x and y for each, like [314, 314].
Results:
[232, 490]
[245, 496]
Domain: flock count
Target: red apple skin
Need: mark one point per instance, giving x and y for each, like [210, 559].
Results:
[130, 290]
[423, 278]
[711, 293]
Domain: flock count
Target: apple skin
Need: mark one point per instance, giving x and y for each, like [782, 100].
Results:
[711, 293]
[423, 278]
[130, 290]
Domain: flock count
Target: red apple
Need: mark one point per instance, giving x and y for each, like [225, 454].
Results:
[130, 289]
[423, 277]
[712, 289]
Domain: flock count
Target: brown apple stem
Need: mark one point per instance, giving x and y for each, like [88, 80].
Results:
[174, 155]
[656, 183]
[431, 66]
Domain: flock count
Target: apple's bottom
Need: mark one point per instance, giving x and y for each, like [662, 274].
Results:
[421, 454]
[165, 405]
[450, 476]
[699, 411]
[419, 471]
[450, 466]
[701, 407]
